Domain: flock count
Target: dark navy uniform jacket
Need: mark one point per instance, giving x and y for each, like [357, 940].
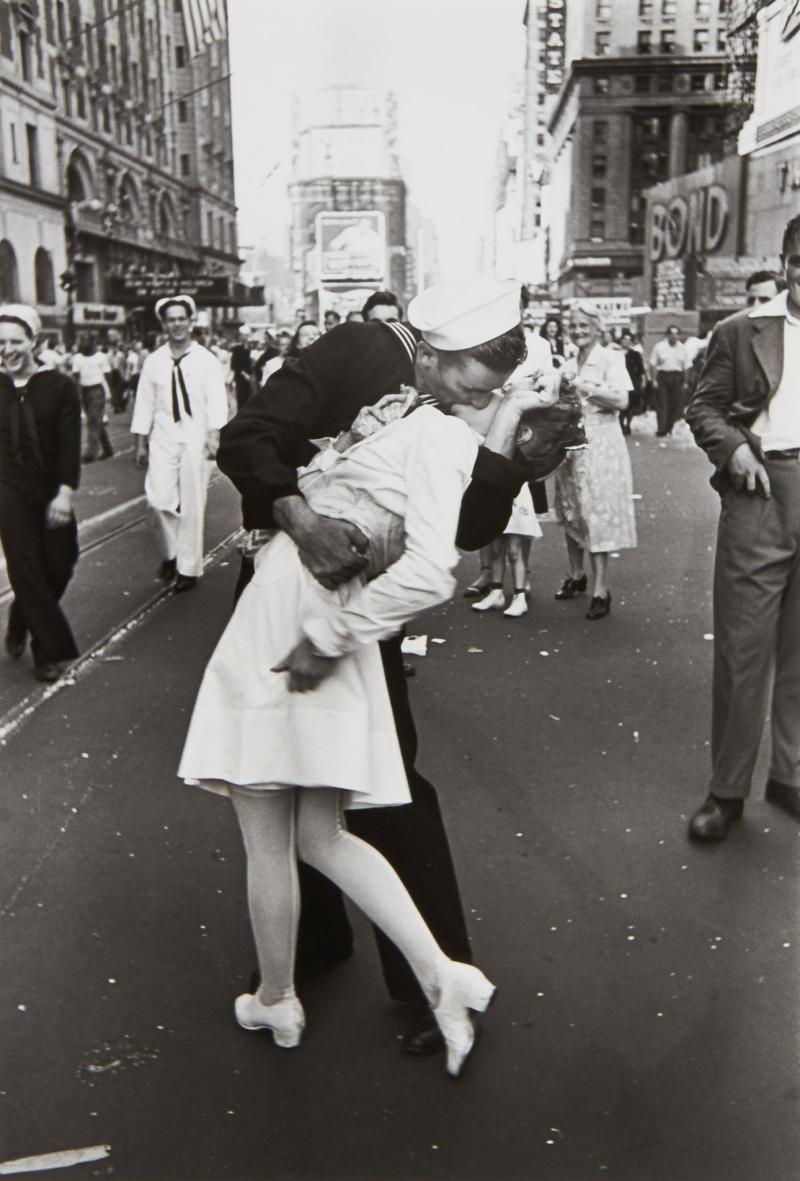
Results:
[319, 394]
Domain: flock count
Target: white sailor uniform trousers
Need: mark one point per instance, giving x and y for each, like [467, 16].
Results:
[178, 400]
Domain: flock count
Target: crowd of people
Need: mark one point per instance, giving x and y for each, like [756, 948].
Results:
[371, 455]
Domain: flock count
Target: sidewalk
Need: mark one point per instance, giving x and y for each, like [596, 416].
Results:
[646, 1022]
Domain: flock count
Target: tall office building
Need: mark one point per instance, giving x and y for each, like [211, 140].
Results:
[116, 164]
[642, 97]
[348, 199]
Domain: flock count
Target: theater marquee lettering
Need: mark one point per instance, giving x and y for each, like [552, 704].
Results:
[695, 224]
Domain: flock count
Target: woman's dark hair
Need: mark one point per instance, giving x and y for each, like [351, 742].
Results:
[559, 333]
[502, 354]
[293, 349]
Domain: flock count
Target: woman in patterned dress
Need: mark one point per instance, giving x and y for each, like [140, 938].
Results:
[594, 488]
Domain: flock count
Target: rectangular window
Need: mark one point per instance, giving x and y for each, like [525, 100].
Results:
[32, 136]
[600, 131]
[702, 10]
[641, 84]
[25, 59]
[698, 83]
[602, 85]
[14, 153]
[646, 9]
[80, 99]
[180, 56]
[183, 111]
[602, 42]
[644, 41]
[722, 41]
[598, 198]
[106, 119]
[700, 44]
[603, 11]
[61, 21]
[597, 229]
[114, 65]
[210, 228]
[599, 165]
[186, 165]
[665, 83]
[669, 9]
[667, 41]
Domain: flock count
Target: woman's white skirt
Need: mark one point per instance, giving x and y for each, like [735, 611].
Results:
[248, 730]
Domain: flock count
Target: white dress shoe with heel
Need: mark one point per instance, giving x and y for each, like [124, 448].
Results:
[462, 989]
[285, 1019]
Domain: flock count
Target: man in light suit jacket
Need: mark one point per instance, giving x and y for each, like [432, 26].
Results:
[745, 415]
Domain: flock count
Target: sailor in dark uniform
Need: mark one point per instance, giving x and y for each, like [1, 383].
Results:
[40, 460]
[469, 334]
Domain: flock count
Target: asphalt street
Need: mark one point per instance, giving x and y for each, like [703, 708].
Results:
[646, 1025]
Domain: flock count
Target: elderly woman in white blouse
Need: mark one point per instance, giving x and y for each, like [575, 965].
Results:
[594, 487]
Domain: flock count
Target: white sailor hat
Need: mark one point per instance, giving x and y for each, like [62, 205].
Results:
[463, 313]
[185, 300]
[24, 314]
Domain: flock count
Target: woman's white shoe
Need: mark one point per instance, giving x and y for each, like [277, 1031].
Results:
[285, 1019]
[460, 988]
[517, 606]
[492, 602]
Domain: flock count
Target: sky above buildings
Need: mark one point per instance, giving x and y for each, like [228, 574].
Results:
[452, 64]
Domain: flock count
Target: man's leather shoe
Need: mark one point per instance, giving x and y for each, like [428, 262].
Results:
[423, 1035]
[783, 795]
[49, 673]
[712, 821]
[571, 587]
[15, 645]
[168, 569]
[184, 582]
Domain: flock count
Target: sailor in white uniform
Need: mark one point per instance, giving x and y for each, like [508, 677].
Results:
[181, 405]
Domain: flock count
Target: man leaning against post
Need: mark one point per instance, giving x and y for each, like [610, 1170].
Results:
[746, 417]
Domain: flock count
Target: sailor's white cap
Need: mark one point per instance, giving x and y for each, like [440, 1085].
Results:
[185, 300]
[463, 313]
[24, 313]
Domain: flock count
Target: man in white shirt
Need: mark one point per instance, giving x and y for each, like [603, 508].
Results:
[90, 368]
[669, 362]
[181, 406]
[746, 416]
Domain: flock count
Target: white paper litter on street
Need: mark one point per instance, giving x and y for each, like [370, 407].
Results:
[414, 646]
[54, 1160]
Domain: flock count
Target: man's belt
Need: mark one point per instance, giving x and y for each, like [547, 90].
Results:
[789, 453]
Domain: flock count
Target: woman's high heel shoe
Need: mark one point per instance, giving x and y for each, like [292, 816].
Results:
[599, 606]
[461, 988]
[571, 587]
[285, 1019]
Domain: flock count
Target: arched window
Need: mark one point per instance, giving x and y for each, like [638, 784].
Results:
[79, 178]
[45, 280]
[9, 275]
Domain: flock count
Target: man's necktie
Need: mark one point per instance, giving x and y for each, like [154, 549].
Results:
[177, 380]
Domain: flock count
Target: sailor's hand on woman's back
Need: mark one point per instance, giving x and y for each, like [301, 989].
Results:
[333, 551]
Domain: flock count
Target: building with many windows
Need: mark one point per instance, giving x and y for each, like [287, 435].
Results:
[349, 231]
[116, 162]
[642, 97]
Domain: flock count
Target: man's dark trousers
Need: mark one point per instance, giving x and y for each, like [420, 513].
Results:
[669, 398]
[40, 562]
[756, 622]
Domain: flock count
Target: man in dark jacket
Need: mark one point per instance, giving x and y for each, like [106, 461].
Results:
[746, 416]
[470, 336]
[40, 455]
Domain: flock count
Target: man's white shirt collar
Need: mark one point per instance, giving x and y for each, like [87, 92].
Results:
[777, 306]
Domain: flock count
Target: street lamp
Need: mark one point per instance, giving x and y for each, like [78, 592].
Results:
[68, 284]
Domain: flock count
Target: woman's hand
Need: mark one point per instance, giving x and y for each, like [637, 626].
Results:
[212, 444]
[306, 668]
[59, 510]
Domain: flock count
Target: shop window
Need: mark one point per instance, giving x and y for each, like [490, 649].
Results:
[644, 41]
[44, 277]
